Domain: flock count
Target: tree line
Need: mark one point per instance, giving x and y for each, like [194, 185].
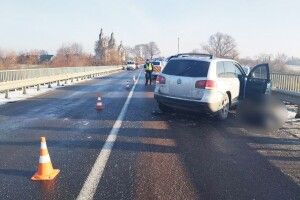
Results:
[106, 52]
[224, 46]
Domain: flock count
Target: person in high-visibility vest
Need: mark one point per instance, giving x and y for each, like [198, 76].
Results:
[148, 69]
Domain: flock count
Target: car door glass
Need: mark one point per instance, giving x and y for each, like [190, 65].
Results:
[220, 70]
[229, 69]
[260, 72]
[237, 70]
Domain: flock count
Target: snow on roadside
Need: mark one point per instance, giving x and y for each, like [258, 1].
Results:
[18, 95]
[292, 111]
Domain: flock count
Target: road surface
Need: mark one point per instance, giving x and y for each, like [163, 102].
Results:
[153, 156]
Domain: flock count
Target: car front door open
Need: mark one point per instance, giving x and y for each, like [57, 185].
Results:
[258, 81]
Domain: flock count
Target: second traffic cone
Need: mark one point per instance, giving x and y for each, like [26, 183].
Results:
[99, 104]
[45, 168]
[127, 85]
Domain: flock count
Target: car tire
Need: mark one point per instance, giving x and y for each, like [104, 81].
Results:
[222, 114]
[164, 108]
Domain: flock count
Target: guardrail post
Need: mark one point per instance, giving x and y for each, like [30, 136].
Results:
[72, 80]
[298, 112]
[49, 85]
[24, 90]
[6, 94]
[38, 87]
[58, 83]
[66, 81]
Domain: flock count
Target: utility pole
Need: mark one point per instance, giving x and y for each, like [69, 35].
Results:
[178, 45]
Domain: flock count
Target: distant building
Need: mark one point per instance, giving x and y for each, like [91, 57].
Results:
[45, 58]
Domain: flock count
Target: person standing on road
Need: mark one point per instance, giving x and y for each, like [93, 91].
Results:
[148, 69]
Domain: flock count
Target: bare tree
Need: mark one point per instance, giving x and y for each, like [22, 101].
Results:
[71, 55]
[8, 59]
[264, 58]
[279, 63]
[153, 49]
[221, 45]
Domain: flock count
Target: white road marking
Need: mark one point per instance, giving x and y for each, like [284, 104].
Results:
[90, 185]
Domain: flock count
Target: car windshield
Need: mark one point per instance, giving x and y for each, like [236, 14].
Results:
[187, 68]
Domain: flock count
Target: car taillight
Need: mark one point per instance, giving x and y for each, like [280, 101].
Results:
[160, 79]
[206, 84]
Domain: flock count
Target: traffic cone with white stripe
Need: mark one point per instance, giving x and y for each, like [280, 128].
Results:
[99, 104]
[128, 85]
[45, 169]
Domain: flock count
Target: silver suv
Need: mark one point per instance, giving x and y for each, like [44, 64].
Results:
[199, 82]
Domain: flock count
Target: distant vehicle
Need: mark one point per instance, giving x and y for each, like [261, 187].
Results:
[158, 66]
[199, 82]
[130, 65]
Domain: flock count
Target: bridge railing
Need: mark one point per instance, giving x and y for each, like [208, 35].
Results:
[287, 82]
[22, 74]
[23, 78]
[287, 88]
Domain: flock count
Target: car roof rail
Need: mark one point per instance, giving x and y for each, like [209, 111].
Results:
[191, 54]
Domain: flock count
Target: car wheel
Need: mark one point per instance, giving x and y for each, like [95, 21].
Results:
[223, 113]
[164, 108]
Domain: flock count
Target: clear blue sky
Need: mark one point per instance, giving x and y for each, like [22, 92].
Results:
[269, 26]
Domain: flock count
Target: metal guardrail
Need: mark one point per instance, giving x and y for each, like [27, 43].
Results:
[287, 82]
[13, 75]
[287, 88]
[16, 79]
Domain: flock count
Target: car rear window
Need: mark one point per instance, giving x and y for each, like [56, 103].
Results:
[187, 68]
[156, 63]
[130, 63]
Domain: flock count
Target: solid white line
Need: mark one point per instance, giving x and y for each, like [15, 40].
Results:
[90, 185]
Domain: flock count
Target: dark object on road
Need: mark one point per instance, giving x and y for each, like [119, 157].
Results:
[266, 112]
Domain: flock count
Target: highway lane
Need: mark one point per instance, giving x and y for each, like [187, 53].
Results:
[75, 133]
[155, 156]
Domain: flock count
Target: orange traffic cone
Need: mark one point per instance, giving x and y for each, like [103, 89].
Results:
[45, 169]
[99, 104]
[127, 85]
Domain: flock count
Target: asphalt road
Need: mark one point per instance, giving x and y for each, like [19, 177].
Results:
[155, 155]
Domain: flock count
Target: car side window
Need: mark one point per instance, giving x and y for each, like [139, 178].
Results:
[229, 69]
[260, 73]
[220, 70]
[238, 72]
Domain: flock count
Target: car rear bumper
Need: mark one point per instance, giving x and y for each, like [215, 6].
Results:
[186, 104]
